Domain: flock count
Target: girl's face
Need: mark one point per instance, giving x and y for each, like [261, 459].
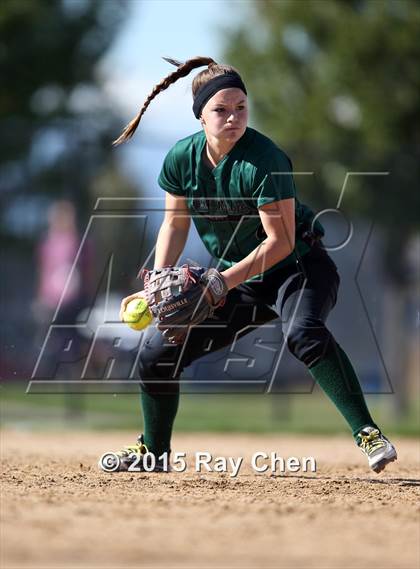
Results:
[225, 115]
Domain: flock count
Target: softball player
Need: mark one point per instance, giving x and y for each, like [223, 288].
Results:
[266, 247]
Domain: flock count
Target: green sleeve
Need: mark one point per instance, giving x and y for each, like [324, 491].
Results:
[273, 180]
[169, 177]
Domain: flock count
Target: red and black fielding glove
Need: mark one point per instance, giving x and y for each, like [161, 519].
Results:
[180, 297]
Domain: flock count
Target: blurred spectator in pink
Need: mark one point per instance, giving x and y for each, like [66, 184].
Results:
[59, 283]
[64, 289]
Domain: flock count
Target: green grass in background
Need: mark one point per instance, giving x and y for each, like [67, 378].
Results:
[303, 413]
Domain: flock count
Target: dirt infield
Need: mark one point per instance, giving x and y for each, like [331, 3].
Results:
[58, 510]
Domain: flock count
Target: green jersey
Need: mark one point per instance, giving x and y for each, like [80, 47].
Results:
[224, 201]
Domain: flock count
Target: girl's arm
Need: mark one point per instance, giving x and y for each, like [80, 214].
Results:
[278, 220]
[171, 238]
[173, 232]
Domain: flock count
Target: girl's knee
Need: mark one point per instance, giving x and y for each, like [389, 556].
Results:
[309, 341]
[159, 364]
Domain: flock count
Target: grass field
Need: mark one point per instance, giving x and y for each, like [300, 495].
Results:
[304, 413]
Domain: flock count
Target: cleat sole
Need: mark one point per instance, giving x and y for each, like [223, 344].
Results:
[383, 463]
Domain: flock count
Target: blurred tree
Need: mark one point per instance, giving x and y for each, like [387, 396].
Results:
[56, 128]
[55, 123]
[337, 84]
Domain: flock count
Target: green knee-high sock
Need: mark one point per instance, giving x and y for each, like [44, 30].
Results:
[159, 412]
[336, 375]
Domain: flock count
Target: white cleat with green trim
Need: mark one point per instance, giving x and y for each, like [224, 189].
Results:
[378, 449]
[133, 458]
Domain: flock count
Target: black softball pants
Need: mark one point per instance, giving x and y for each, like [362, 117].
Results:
[306, 292]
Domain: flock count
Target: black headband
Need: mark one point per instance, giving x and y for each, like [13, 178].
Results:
[206, 91]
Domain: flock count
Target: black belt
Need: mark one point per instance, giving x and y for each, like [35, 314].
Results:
[310, 238]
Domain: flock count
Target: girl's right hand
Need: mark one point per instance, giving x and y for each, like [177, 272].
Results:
[127, 299]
